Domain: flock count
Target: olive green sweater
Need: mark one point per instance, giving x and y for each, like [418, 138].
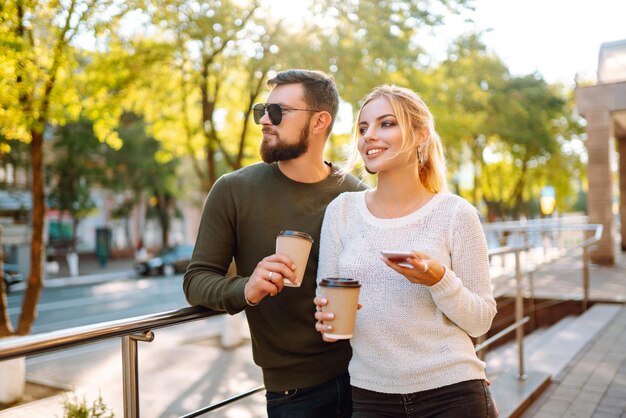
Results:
[242, 215]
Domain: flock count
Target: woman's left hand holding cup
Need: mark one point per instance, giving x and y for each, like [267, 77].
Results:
[320, 316]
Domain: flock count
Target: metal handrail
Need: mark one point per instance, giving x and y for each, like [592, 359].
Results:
[501, 334]
[87, 334]
[225, 402]
[519, 301]
[131, 330]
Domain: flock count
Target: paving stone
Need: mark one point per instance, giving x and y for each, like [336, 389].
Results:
[564, 393]
[613, 411]
[578, 413]
[596, 387]
[617, 400]
[616, 391]
[603, 415]
[590, 397]
[556, 406]
[584, 413]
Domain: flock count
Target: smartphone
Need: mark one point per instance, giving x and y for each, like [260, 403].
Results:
[398, 257]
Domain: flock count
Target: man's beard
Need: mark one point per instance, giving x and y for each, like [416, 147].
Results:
[284, 152]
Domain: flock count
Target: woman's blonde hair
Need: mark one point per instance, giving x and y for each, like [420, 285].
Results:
[416, 122]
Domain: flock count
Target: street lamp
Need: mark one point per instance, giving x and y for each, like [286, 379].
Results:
[612, 62]
[547, 200]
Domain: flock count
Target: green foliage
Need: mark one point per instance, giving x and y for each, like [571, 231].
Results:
[139, 173]
[73, 407]
[75, 169]
[193, 77]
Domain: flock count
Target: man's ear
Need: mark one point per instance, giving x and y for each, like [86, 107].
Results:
[321, 122]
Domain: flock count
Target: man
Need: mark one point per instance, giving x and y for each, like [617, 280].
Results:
[245, 210]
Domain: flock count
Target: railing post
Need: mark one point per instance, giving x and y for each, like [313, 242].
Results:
[531, 301]
[528, 256]
[481, 353]
[130, 370]
[585, 277]
[519, 314]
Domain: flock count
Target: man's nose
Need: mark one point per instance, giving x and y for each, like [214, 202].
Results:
[265, 119]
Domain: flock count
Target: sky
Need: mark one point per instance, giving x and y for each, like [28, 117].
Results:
[557, 38]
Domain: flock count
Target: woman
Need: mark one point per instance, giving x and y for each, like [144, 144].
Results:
[412, 352]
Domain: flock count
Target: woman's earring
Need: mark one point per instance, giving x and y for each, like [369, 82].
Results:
[420, 156]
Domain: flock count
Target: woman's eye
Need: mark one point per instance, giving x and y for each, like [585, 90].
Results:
[362, 131]
[386, 124]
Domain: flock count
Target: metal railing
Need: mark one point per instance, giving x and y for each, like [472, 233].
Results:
[132, 330]
[595, 230]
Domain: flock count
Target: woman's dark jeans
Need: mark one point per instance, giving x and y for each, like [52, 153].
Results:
[330, 399]
[470, 399]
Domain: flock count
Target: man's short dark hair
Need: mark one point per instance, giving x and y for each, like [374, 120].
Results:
[320, 91]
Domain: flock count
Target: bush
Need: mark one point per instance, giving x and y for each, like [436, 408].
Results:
[78, 408]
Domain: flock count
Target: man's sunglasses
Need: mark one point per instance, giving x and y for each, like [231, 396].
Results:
[274, 111]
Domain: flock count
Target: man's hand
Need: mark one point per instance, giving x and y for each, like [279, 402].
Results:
[267, 277]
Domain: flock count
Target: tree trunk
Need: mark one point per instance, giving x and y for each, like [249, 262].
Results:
[517, 197]
[207, 118]
[165, 223]
[477, 153]
[33, 290]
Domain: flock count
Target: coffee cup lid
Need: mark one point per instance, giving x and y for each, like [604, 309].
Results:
[295, 234]
[339, 282]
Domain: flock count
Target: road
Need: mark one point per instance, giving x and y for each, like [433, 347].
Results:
[66, 307]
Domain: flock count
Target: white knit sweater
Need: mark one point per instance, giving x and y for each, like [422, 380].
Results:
[411, 337]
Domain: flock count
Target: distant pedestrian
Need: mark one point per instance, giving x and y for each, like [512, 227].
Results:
[142, 253]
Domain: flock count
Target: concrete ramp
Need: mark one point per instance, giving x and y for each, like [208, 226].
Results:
[546, 354]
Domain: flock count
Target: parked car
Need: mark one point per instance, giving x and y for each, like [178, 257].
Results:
[11, 275]
[168, 262]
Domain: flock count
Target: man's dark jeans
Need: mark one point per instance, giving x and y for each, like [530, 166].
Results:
[470, 399]
[330, 399]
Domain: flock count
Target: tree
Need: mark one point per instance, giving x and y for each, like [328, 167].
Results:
[222, 53]
[527, 123]
[74, 172]
[367, 43]
[37, 76]
[460, 92]
[204, 35]
[142, 172]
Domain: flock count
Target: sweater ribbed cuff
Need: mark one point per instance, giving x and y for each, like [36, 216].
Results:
[447, 284]
[246, 298]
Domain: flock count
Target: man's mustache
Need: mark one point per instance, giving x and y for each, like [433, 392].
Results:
[268, 131]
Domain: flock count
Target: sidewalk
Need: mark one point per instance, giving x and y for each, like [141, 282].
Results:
[594, 384]
[89, 271]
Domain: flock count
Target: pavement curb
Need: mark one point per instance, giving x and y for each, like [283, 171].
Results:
[82, 280]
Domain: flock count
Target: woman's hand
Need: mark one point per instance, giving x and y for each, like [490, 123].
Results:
[320, 316]
[320, 325]
[425, 269]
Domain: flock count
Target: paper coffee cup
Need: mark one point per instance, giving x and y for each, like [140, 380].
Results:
[343, 300]
[297, 246]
